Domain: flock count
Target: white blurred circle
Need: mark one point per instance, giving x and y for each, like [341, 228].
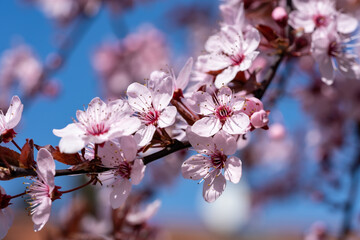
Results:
[230, 211]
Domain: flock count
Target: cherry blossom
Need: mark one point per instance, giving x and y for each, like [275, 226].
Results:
[212, 164]
[99, 123]
[312, 15]
[151, 106]
[20, 65]
[230, 52]
[223, 111]
[331, 51]
[137, 216]
[254, 108]
[43, 190]
[10, 119]
[122, 157]
[6, 214]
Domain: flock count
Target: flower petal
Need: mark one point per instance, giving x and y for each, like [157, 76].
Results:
[46, 166]
[204, 103]
[139, 97]
[226, 76]
[184, 75]
[233, 169]
[41, 214]
[144, 135]
[128, 147]
[167, 117]
[225, 143]
[110, 154]
[214, 186]
[137, 171]
[120, 192]
[237, 124]
[203, 145]
[196, 167]
[126, 125]
[71, 144]
[346, 24]
[13, 114]
[206, 126]
[163, 92]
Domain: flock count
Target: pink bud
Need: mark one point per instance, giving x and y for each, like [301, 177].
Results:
[259, 119]
[280, 16]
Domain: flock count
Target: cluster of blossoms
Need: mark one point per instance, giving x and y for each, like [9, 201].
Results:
[211, 105]
[331, 41]
[119, 63]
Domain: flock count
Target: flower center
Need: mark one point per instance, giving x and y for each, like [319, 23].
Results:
[4, 200]
[237, 59]
[320, 20]
[218, 160]
[223, 112]
[151, 117]
[97, 129]
[334, 49]
[124, 170]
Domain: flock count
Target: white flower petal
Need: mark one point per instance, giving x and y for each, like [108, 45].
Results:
[203, 145]
[167, 117]
[137, 172]
[214, 185]
[41, 214]
[196, 167]
[120, 192]
[46, 166]
[225, 143]
[206, 126]
[139, 97]
[13, 114]
[233, 169]
[237, 124]
[144, 135]
[184, 75]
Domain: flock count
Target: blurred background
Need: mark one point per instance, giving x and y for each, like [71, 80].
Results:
[58, 55]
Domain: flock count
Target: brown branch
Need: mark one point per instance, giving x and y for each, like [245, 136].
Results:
[17, 172]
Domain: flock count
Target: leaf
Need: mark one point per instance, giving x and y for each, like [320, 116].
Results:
[267, 32]
[69, 159]
[8, 156]
[27, 155]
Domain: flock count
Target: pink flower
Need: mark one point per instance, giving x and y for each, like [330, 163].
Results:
[223, 111]
[254, 108]
[151, 106]
[331, 51]
[212, 164]
[311, 15]
[43, 190]
[101, 122]
[122, 157]
[6, 214]
[137, 216]
[231, 52]
[184, 75]
[10, 119]
[21, 65]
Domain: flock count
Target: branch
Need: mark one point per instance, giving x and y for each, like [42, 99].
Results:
[17, 172]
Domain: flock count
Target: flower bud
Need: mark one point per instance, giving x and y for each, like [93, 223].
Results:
[280, 16]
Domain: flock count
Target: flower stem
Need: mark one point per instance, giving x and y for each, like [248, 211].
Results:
[16, 145]
[79, 187]
[18, 195]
